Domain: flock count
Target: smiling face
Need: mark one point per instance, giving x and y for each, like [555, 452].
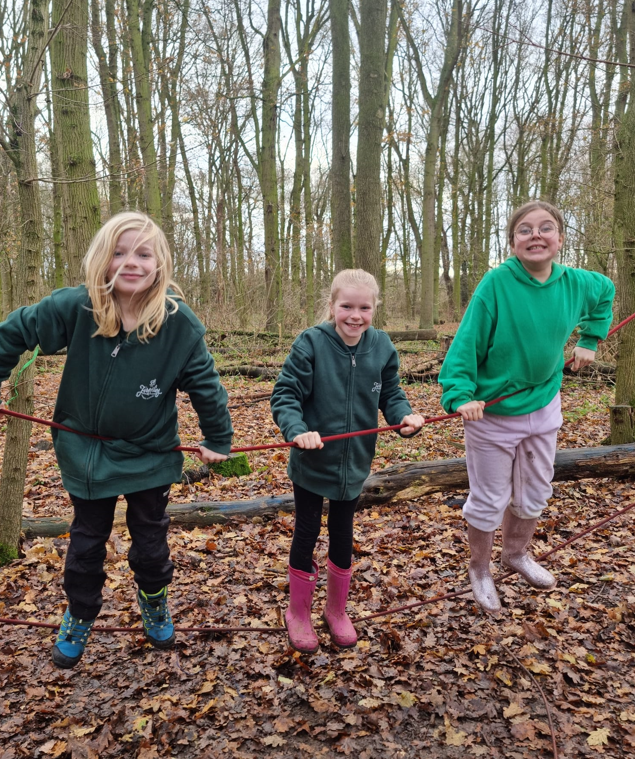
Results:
[133, 268]
[536, 251]
[352, 311]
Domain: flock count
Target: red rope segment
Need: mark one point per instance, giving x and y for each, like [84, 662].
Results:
[328, 439]
[366, 618]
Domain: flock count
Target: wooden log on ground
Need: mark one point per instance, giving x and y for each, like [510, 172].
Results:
[414, 334]
[249, 371]
[402, 482]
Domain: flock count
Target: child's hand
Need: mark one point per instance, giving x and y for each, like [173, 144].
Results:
[472, 411]
[413, 422]
[308, 440]
[582, 357]
[209, 457]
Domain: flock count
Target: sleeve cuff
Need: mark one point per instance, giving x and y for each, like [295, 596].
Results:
[590, 343]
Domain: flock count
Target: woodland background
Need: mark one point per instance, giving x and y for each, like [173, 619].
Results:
[276, 143]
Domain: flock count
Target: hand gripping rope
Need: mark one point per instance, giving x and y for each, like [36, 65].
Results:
[382, 613]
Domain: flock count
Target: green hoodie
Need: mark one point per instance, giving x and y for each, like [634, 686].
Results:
[513, 334]
[330, 387]
[120, 388]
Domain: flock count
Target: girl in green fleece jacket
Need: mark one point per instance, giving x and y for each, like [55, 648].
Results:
[336, 378]
[131, 345]
[511, 338]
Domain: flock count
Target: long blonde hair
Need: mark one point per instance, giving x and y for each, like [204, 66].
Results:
[155, 303]
[350, 278]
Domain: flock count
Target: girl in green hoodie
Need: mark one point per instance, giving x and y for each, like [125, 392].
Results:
[132, 343]
[512, 338]
[336, 378]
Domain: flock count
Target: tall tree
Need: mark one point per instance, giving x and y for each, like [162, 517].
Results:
[623, 414]
[436, 104]
[69, 79]
[140, 30]
[18, 140]
[340, 136]
[372, 55]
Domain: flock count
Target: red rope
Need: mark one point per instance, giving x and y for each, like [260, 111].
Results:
[365, 618]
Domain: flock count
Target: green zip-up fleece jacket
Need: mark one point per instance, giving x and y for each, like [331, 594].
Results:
[120, 388]
[327, 387]
[513, 335]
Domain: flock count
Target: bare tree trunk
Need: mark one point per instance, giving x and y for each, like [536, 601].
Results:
[340, 137]
[140, 48]
[20, 146]
[268, 167]
[69, 78]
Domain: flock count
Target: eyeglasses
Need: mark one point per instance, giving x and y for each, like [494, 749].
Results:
[546, 230]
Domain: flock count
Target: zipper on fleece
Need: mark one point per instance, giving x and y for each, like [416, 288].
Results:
[349, 414]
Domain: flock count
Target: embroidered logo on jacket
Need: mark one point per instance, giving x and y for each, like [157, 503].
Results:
[376, 388]
[149, 392]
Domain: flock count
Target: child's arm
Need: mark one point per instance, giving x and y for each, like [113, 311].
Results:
[293, 386]
[596, 321]
[392, 399]
[200, 380]
[27, 327]
[468, 350]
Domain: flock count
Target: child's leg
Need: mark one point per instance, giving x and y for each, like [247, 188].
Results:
[340, 527]
[84, 574]
[533, 472]
[303, 571]
[308, 521]
[149, 559]
[490, 445]
[149, 555]
[339, 572]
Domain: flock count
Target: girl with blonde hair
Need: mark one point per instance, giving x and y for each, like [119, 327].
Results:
[132, 344]
[337, 377]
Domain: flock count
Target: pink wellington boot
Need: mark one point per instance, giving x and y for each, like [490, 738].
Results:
[517, 535]
[481, 580]
[337, 584]
[297, 617]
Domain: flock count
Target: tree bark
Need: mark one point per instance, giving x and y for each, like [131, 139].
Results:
[140, 36]
[340, 137]
[20, 145]
[69, 80]
[268, 166]
[368, 217]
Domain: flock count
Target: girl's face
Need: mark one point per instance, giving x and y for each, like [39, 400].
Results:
[537, 241]
[352, 312]
[133, 267]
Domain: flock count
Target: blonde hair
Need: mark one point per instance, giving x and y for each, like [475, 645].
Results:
[350, 278]
[533, 205]
[155, 303]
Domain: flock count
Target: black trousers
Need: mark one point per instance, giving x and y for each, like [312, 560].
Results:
[308, 520]
[149, 555]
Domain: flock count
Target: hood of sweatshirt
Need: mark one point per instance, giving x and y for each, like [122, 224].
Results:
[514, 265]
[365, 345]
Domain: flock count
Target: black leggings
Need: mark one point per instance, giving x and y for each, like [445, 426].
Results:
[308, 520]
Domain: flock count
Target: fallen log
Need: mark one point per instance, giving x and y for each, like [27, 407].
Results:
[249, 371]
[413, 334]
[402, 482]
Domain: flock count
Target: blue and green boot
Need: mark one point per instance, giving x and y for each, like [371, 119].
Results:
[157, 622]
[71, 640]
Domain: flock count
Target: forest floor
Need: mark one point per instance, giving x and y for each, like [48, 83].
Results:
[442, 680]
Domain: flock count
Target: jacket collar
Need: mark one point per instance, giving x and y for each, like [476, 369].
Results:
[365, 344]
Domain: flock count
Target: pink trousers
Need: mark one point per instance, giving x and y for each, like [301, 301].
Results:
[510, 458]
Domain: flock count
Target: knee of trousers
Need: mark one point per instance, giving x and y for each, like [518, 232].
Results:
[484, 515]
[527, 510]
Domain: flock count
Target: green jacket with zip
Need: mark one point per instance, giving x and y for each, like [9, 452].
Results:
[120, 388]
[513, 334]
[331, 388]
